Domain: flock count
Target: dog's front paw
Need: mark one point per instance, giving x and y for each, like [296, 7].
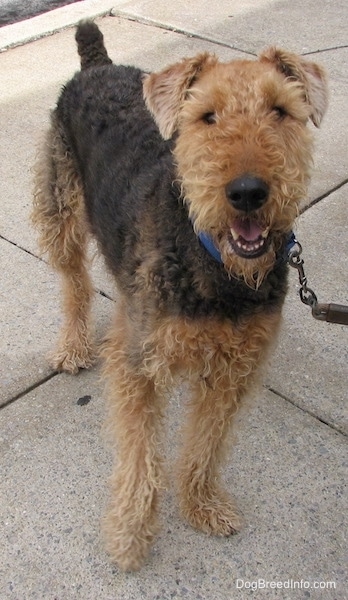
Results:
[71, 359]
[128, 553]
[127, 544]
[213, 515]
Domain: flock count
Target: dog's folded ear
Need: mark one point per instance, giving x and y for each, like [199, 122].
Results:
[164, 92]
[311, 75]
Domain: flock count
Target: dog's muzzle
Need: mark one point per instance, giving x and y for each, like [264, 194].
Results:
[247, 194]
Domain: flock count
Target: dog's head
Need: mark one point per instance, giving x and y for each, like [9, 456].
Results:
[243, 150]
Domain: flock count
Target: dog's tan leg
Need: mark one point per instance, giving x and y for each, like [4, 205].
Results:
[59, 216]
[203, 502]
[133, 425]
[229, 373]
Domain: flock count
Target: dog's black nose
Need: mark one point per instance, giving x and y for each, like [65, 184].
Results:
[247, 193]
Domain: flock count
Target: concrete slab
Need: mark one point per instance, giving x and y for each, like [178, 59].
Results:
[30, 319]
[27, 321]
[310, 365]
[249, 25]
[287, 475]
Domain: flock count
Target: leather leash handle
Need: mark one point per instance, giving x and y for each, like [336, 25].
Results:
[331, 313]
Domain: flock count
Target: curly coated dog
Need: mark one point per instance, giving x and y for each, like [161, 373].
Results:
[190, 180]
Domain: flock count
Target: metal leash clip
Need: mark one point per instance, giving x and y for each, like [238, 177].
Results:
[331, 313]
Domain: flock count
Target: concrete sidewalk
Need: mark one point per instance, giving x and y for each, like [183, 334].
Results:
[289, 465]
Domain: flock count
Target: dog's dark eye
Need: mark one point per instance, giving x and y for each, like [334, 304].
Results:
[279, 111]
[209, 118]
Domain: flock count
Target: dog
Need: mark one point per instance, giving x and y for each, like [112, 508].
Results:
[190, 180]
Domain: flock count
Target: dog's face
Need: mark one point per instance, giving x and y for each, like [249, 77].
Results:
[243, 150]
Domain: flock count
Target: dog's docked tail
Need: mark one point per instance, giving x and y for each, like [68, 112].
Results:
[90, 45]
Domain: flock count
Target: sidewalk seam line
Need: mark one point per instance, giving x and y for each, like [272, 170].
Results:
[96, 289]
[29, 389]
[323, 196]
[114, 12]
[307, 411]
[330, 49]
[153, 23]
[50, 32]
[2, 237]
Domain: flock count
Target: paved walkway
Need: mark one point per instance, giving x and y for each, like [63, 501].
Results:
[289, 464]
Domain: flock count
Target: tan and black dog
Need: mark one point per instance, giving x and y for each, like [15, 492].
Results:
[190, 180]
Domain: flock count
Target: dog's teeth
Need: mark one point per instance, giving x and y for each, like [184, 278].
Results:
[234, 235]
[249, 246]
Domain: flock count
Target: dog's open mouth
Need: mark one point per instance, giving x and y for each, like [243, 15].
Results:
[248, 238]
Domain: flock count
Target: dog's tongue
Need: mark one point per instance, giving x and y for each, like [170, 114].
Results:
[248, 229]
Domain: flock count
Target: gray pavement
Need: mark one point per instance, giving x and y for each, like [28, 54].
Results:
[288, 469]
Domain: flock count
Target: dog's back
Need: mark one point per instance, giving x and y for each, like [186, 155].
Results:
[119, 153]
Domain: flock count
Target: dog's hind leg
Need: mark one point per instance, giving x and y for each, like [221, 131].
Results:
[59, 215]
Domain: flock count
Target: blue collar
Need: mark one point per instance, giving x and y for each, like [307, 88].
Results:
[209, 245]
[290, 243]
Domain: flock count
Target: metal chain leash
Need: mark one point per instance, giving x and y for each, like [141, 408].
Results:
[332, 313]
